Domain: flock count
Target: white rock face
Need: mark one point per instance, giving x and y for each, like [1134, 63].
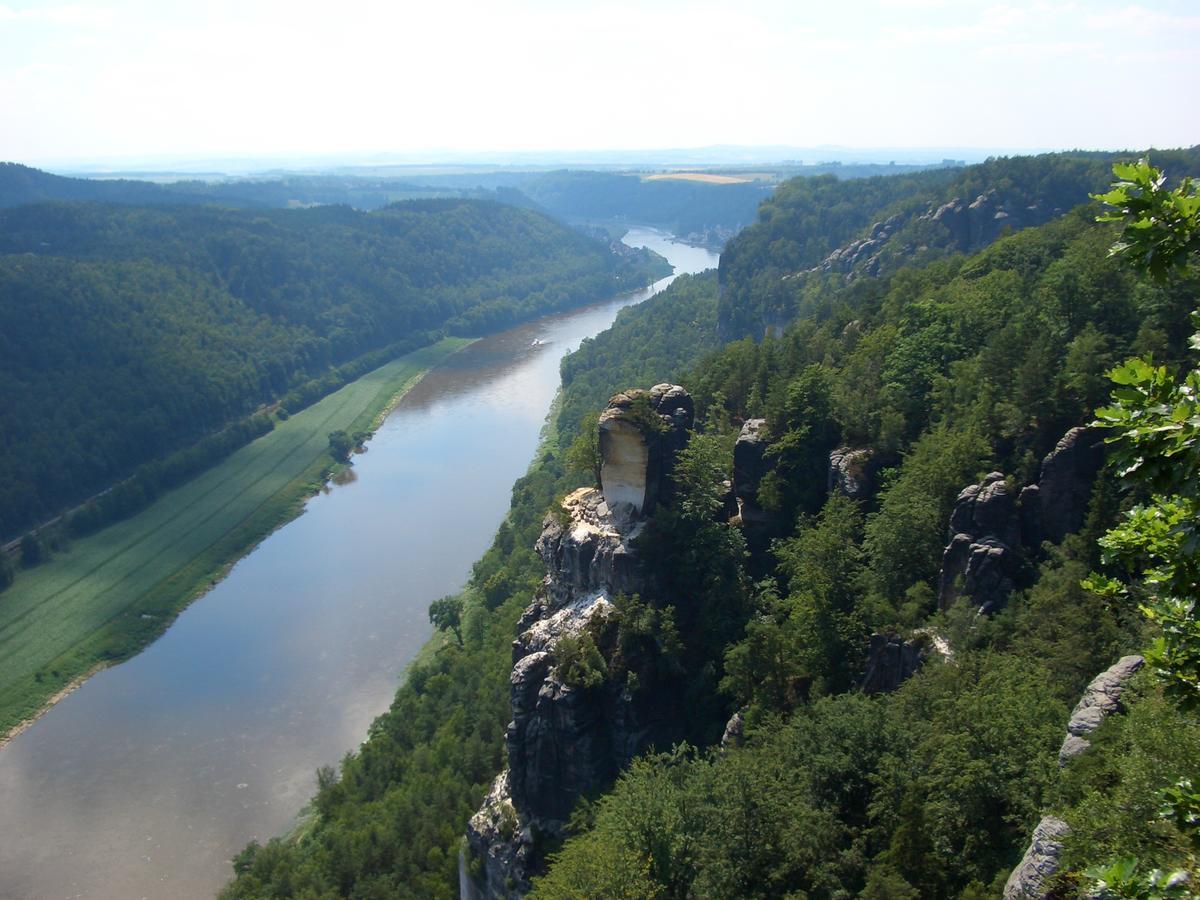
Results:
[626, 460]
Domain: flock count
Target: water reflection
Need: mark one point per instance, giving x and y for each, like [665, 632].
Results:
[145, 781]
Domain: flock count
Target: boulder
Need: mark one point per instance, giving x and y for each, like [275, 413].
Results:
[1029, 879]
[1100, 700]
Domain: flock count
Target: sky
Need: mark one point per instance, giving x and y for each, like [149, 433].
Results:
[158, 79]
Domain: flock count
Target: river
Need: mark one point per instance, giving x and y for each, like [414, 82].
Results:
[146, 780]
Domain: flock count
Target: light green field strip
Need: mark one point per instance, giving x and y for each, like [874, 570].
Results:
[118, 589]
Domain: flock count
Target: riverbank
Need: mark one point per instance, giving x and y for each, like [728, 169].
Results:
[117, 590]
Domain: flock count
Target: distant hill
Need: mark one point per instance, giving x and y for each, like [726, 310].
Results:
[129, 331]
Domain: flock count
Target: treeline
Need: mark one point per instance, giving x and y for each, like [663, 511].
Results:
[943, 371]
[128, 332]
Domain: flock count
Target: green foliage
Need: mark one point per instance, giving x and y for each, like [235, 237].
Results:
[578, 662]
[1156, 417]
[650, 343]
[33, 551]
[905, 538]
[839, 799]
[1121, 880]
[340, 446]
[446, 615]
[1162, 227]
[583, 456]
[128, 333]
[1155, 548]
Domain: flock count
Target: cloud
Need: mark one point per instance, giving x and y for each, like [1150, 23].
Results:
[1139, 19]
[72, 15]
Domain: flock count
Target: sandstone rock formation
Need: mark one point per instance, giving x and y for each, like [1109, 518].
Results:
[978, 223]
[1100, 700]
[749, 467]
[989, 532]
[981, 560]
[640, 433]
[566, 739]
[1065, 485]
[852, 473]
[1039, 864]
[890, 662]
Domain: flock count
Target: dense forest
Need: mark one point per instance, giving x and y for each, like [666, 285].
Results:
[130, 332]
[940, 364]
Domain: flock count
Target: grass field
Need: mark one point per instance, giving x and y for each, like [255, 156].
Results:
[116, 590]
[704, 177]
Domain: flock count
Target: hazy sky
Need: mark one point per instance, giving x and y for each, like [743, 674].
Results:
[147, 78]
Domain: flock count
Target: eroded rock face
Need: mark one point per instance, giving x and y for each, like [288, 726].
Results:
[1029, 879]
[981, 560]
[852, 473]
[1100, 700]
[566, 740]
[640, 433]
[978, 223]
[890, 662]
[1065, 485]
[586, 548]
[749, 467]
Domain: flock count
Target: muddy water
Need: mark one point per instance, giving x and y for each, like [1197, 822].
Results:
[145, 781]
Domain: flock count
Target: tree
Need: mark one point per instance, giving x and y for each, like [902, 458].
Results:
[1162, 226]
[340, 446]
[33, 551]
[446, 614]
[1155, 415]
[583, 455]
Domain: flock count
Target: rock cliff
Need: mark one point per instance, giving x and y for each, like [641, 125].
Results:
[992, 535]
[1102, 698]
[571, 736]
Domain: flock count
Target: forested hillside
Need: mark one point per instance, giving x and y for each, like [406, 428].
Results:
[815, 234]
[937, 373]
[130, 331]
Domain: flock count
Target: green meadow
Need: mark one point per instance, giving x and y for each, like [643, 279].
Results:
[115, 591]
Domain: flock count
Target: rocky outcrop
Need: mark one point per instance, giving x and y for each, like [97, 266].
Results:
[977, 223]
[1065, 486]
[981, 560]
[735, 730]
[749, 467]
[891, 660]
[640, 433]
[566, 740]
[863, 256]
[1030, 878]
[852, 473]
[585, 548]
[990, 534]
[1100, 700]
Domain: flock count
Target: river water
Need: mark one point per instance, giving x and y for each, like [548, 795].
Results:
[145, 781]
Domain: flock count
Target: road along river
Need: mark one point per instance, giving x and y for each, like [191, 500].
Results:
[146, 780]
